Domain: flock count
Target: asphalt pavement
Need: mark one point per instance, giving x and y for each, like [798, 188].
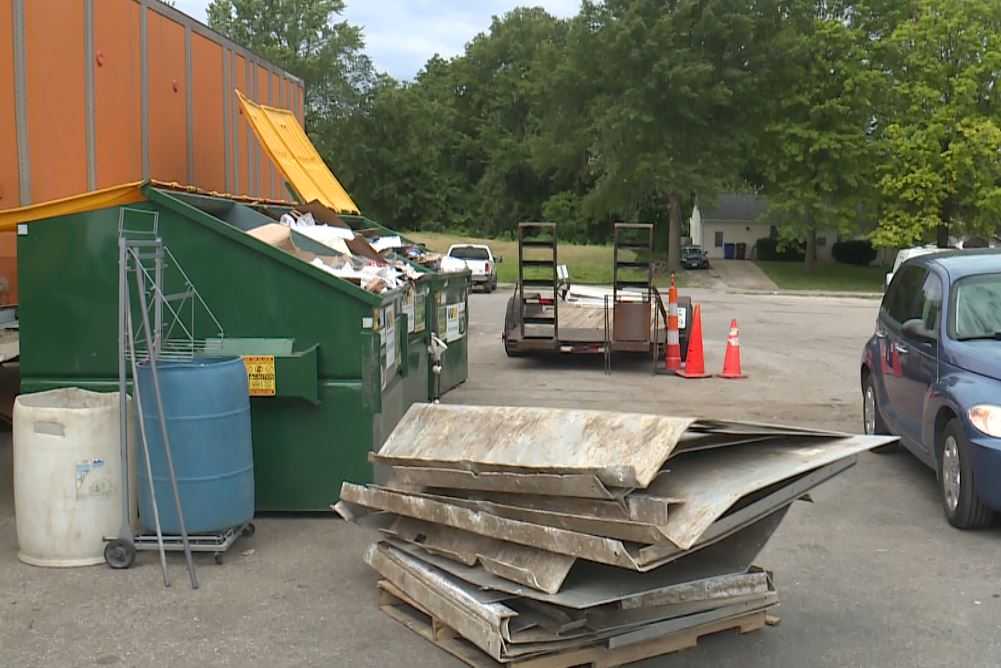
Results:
[869, 573]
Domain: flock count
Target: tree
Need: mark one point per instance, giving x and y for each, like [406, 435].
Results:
[303, 37]
[940, 171]
[816, 152]
[672, 90]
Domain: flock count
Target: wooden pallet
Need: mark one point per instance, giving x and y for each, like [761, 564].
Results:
[397, 605]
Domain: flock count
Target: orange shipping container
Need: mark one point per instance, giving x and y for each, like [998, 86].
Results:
[154, 99]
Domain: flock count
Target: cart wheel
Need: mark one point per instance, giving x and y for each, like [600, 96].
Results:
[120, 554]
[218, 558]
[248, 530]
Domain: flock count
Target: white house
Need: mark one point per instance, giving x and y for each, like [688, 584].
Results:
[738, 219]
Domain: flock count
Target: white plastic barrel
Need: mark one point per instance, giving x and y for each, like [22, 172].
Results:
[68, 475]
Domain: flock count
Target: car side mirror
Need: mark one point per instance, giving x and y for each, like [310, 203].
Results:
[499, 259]
[915, 328]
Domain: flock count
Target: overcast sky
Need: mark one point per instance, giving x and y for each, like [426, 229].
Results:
[400, 35]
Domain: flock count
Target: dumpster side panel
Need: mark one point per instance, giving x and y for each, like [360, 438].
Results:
[68, 316]
[451, 324]
[302, 453]
[118, 153]
[54, 55]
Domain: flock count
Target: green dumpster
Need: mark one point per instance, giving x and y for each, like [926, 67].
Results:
[347, 363]
[448, 315]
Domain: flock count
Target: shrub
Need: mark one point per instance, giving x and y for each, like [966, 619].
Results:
[854, 251]
[767, 249]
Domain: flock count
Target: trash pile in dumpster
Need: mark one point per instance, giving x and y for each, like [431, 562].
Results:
[375, 262]
[582, 536]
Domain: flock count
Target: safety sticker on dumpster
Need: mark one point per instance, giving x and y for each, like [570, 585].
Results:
[455, 321]
[420, 311]
[260, 375]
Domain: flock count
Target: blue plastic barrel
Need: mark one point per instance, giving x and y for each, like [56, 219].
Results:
[207, 410]
[729, 251]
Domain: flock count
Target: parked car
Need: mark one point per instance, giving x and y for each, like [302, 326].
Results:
[694, 257]
[931, 374]
[481, 262]
[905, 254]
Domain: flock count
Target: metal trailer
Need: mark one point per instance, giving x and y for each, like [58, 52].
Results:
[543, 317]
[346, 363]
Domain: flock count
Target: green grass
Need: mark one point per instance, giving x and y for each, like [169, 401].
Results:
[827, 276]
[587, 264]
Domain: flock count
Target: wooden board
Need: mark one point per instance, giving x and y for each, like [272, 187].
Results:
[399, 607]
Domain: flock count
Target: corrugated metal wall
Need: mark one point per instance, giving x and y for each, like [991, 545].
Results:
[99, 92]
[94, 93]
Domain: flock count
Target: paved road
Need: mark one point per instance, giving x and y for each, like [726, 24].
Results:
[870, 574]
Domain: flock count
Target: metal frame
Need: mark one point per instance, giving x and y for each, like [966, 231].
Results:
[141, 253]
[602, 338]
[525, 241]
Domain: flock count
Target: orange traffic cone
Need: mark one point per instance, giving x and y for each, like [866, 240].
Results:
[731, 362]
[695, 360]
[672, 351]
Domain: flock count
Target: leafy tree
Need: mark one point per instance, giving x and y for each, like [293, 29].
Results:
[303, 37]
[816, 152]
[671, 90]
[940, 171]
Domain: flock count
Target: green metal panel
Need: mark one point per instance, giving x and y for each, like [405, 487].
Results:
[447, 291]
[313, 449]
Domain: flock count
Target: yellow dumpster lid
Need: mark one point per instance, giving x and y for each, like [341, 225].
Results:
[286, 143]
[127, 193]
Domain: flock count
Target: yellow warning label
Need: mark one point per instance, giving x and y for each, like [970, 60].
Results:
[260, 375]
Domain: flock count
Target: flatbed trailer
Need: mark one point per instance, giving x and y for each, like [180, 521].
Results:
[546, 316]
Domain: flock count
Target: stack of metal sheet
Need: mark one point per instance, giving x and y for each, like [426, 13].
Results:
[535, 531]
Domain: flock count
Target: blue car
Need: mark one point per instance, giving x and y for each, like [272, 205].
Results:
[931, 374]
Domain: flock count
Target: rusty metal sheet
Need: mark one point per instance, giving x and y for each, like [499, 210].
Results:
[481, 624]
[653, 556]
[448, 599]
[489, 626]
[621, 529]
[572, 543]
[729, 585]
[519, 563]
[590, 584]
[712, 481]
[553, 484]
[560, 541]
[735, 427]
[620, 449]
[622, 621]
[660, 629]
[636, 508]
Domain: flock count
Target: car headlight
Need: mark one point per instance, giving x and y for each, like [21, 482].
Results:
[987, 419]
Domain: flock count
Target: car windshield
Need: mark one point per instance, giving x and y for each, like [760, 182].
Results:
[691, 250]
[977, 310]
[469, 253]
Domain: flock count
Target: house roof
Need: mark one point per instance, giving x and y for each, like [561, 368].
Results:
[735, 208]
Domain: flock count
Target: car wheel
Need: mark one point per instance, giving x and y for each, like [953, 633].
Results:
[872, 419]
[958, 483]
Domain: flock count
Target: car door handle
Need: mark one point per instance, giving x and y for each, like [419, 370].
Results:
[900, 350]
